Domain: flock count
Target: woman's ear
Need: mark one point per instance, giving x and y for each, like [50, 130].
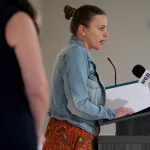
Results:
[82, 30]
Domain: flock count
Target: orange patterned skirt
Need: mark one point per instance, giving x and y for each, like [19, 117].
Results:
[61, 135]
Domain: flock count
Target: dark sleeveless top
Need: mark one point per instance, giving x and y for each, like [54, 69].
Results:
[17, 126]
[13, 99]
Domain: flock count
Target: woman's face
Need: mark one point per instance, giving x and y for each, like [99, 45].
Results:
[96, 34]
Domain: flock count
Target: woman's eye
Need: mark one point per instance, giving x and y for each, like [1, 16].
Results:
[102, 28]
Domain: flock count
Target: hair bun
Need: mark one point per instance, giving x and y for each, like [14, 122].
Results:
[69, 11]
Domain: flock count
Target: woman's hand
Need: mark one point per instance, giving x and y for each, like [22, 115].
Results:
[123, 111]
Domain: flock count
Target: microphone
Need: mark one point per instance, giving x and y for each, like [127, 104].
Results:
[114, 70]
[143, 74]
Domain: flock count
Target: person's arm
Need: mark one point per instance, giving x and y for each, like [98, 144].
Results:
[22, 35]
[76, 90]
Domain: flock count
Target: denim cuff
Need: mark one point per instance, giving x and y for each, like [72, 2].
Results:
[112, 113]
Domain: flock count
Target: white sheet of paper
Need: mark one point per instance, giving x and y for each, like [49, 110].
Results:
[134, 96]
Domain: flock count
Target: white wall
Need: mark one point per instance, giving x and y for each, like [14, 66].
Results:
[128, 44]
[37, 3]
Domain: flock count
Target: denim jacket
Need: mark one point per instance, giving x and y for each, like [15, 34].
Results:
[77, 92]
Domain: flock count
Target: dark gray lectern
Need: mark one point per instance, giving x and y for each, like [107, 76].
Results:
[135, 125]
[128, 127]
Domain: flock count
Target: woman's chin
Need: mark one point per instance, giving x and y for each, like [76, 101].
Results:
[98, 48]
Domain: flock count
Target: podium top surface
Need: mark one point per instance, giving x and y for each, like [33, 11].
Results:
[130, 94]
[142, 113]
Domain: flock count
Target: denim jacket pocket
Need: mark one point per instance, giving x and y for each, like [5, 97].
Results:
[92, 80]
[94, 91]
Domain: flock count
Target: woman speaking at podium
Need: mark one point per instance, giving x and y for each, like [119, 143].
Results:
[78, 93]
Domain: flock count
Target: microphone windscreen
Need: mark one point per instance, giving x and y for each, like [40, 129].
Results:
[138, 71]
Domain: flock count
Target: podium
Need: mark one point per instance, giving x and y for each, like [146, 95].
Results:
[137, 97]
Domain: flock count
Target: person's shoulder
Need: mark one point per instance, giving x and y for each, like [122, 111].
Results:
[74, 49]
[16, 19]
[20, 21]
[19, 24]
[21, 16]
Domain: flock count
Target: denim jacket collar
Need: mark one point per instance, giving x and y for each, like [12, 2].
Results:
[75, 40]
